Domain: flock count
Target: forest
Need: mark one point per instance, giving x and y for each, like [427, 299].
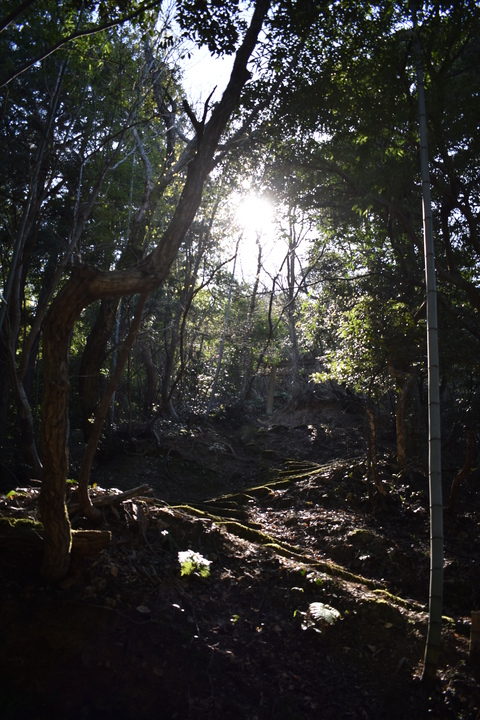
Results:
[240, 277]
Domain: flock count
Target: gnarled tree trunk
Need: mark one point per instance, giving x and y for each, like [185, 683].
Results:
[87, 285]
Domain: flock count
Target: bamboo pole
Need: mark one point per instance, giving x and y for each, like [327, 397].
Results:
[433, 643]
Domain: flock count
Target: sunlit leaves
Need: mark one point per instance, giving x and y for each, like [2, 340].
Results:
[375, 342]
[193, 563]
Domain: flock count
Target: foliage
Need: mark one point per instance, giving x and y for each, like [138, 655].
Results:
[212, 22]
[193, 563]
[373, 341]
[338, 83]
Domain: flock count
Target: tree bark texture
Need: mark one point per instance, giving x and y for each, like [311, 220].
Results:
[86, 285]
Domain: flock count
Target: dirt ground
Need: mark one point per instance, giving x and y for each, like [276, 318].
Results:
[289, 523]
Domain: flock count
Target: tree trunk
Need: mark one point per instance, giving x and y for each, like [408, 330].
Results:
[372, 451]
[401, 419]
[248, 349]
[291, 310]
[191, 289]
[10, 308]
[226, 327]
[170, 353]
[27, 230]
[102, 412]
[151, 376]
[466, 469]
[271, 384]
[93, 357]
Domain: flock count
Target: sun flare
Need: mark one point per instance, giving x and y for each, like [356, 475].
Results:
[255, 218]
[255, 214]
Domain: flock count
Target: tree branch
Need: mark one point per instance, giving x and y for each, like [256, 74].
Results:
[5, 22]
[74, 36]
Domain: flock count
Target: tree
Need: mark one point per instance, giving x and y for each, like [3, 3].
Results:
[73, 123]
[87, 285]
[107, 16]
[349, 159]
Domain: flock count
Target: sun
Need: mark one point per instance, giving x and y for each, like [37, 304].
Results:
[254, 214]
[255, 219]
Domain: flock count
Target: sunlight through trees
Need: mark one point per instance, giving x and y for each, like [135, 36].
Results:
[169, 255]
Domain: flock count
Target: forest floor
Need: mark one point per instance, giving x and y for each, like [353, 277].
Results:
[286, 517]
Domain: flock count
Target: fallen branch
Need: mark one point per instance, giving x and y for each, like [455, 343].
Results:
[114, 499]
[104, 500]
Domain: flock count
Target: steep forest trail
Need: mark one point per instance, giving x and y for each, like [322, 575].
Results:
[288, 540]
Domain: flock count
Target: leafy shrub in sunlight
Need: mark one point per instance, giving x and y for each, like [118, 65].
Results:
[318, 617]
[192, 563]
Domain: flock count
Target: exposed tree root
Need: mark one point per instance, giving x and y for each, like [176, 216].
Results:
[291, 552]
